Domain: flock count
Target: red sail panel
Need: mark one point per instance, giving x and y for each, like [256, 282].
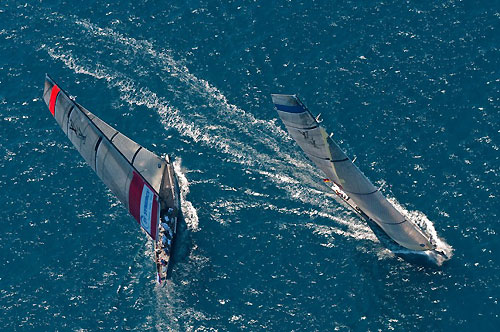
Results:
[143, 205]
[134, 196]
[53, 98]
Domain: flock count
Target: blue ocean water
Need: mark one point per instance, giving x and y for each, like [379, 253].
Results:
[410, 88]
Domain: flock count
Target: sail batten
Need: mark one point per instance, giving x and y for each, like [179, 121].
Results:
[113, 156]
[304, 128]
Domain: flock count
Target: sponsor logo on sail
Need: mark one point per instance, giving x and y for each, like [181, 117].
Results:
[146, 208]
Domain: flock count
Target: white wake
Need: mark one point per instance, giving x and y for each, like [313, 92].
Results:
[188, 210]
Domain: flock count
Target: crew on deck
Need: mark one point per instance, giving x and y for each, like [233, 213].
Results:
[166, 233]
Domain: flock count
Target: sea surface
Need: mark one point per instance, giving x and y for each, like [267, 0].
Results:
[411, 88]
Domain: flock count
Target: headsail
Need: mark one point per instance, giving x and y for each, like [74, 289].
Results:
[130, 171]
[328, 156]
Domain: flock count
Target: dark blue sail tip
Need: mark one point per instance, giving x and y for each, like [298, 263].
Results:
[288, 103]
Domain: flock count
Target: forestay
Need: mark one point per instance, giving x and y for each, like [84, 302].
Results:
[130, 171]
[328, 156]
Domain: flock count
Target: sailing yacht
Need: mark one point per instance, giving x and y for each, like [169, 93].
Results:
[346, 180]
[143, 182]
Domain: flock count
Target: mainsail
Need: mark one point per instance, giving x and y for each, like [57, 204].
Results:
[134, 174]
[328, 156]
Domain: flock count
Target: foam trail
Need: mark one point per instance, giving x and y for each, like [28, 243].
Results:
[188, 210]
[347, 226]
[270, 134]
[178, 69]
[356, 229]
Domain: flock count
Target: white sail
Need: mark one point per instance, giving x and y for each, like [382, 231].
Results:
[130, 171]
[328, 156]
